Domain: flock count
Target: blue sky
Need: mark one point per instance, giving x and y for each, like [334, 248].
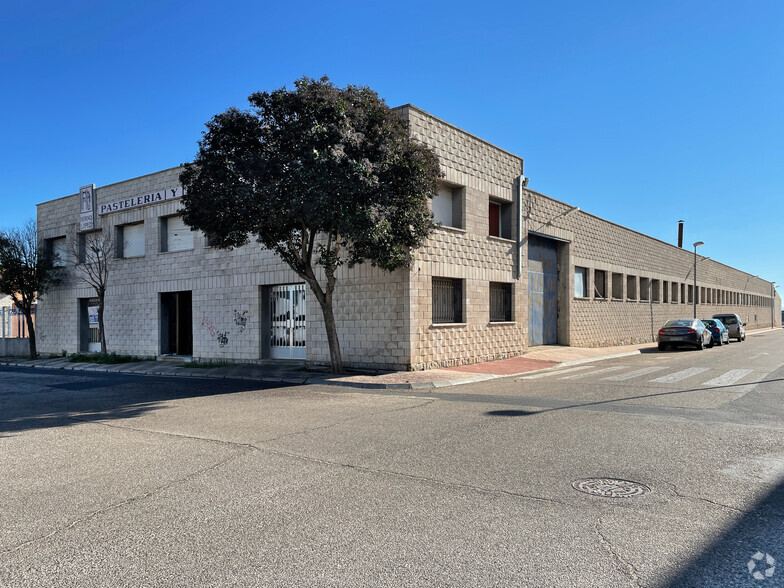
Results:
[640, 113]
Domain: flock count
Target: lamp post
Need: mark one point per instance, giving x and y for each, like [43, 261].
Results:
[697, 244]
[772, 304]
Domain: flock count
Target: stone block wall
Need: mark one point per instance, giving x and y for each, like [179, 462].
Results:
[483, 172]
[386, 320]
[635, 317]
[370, 305]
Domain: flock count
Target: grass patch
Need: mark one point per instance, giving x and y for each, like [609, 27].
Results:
[206, 365]
[104, 358]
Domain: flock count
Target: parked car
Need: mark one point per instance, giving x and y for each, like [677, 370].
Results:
[721, 334]
[734, 324]
[677, 332]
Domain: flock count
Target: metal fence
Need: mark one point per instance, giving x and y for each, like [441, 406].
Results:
[13, 324]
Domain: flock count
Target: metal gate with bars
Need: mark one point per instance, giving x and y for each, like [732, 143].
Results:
[287, 322]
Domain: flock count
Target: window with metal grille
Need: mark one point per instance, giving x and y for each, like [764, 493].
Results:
[599, 284]
[447, 300]
[500, 302]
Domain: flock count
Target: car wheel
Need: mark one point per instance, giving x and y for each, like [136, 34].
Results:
[701, 345]
[740, 338]
[710, 345]
[662, 346]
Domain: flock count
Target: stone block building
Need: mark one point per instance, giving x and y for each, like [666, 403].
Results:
[507, 269]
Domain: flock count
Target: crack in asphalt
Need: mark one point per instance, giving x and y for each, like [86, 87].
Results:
[120, 504]
[623, 565]
[707, 500]
[413, 477]
[348, 420]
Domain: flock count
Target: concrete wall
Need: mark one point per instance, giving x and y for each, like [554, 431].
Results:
[597, 244]
[386, 320]
[370, 305]
[14, 347]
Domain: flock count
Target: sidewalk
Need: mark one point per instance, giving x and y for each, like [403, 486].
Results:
[540, 358]
[295, 373]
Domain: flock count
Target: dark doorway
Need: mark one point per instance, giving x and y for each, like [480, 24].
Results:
[176, 323]
[542, 291]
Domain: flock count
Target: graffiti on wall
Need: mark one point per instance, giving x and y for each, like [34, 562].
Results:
[222, 336]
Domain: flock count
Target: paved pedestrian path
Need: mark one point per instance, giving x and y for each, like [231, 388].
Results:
[540, 362]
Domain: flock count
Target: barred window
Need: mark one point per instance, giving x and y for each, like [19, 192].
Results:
[447, 300]
[600, 284]
[500, 302]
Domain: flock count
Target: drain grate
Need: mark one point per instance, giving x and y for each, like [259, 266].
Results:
[610, 487]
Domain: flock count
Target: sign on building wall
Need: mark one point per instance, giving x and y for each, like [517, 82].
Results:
[92, 315]
[142, 200]
[87, 207]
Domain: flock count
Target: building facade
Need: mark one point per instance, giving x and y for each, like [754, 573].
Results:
[507, 269]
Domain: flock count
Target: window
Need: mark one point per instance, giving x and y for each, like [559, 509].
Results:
[580, 282]
[130, 240]
[500, 302]
[500, 216]
[655, 290]
[617, 286]
[665, 291]
[175, 234]
[448, 206]
[675, 290]
[447, 301]
[95, 243]
[631, 287]
[56, 248]
[683, 294]
[645, 286]
[600, 283]
[691, 294]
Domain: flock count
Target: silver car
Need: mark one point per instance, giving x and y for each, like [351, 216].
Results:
[685, 332]
[734, 324]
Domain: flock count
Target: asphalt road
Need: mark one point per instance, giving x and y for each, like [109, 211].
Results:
[120, 480]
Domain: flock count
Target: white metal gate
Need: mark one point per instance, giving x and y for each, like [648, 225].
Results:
[94, 338]
[287, 322]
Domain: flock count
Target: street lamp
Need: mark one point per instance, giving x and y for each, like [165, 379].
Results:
[697, 244]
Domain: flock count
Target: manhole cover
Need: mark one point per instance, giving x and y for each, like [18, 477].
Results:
[610, 487]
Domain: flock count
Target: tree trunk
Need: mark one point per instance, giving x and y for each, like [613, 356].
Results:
[332, 335]
[101, 330]
[30, 333]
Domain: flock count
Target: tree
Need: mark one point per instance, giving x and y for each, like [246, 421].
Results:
[26, 271]
[323, 176]
[92, 256]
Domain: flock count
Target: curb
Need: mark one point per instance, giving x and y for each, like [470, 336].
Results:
[169, 371]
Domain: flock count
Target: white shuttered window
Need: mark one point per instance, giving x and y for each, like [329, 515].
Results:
[177, 236]
[133, 240]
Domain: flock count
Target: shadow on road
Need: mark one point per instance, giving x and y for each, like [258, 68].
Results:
[64, 398]
[567, 406]
[754, 545]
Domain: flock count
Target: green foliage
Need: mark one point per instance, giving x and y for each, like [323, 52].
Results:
[315, 160]
[323, 176]
[105, 358]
